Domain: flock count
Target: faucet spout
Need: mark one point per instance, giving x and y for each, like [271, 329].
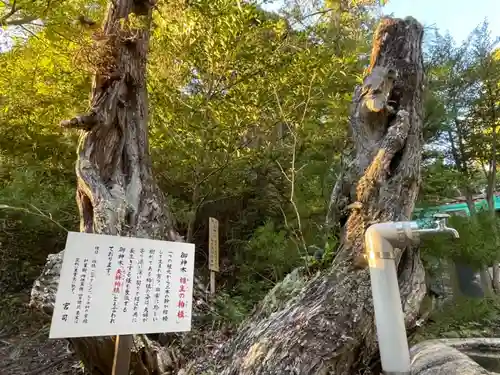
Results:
[441, 226]
[453, 232]
[438, 230]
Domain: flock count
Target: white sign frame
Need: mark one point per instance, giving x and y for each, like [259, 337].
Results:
[99, 284]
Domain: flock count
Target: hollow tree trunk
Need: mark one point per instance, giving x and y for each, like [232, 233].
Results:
[116, 192]
[324, 324]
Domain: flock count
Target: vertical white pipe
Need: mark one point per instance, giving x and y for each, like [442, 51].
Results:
[389, 317]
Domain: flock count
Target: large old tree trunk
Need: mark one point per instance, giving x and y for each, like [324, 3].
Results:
[116, 192]
[324, 324]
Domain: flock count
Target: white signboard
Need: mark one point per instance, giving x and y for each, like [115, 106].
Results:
[112, 285]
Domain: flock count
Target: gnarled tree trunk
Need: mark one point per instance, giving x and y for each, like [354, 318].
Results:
[324, 324]
[116, 192]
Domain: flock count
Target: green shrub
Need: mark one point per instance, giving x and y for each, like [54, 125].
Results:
[37, 207]
[464, 317]
[259, 263]
[476, 246]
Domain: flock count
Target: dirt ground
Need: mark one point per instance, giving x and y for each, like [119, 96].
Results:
[25, 348]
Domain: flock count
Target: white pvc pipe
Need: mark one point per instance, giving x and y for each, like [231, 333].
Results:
[389, 317]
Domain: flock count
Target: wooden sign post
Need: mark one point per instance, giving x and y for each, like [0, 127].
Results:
[121, 361]
[121, 286]
[213, 251]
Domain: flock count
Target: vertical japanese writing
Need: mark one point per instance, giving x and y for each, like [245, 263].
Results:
[121, 257]
[181, 303]
[66, 306]
[128, 280]
[116, 292]
[156, 306]
[149, 286]
[75, 275]
[116, 284]
[166, 299]
[93, 266]
[213, 244]
[118, 280]
[110, 260]
[114, 309]
[140, 271]
[81, 289]
[120, 272]
[183, 262]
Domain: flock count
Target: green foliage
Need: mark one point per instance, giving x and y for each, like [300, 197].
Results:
[248, 116]
[38, 87]
[263, 261]
[461, 110]
[441, 182]
[464, 318]
[228, 93]
[476, 245]
[231, 309]
[35, 212]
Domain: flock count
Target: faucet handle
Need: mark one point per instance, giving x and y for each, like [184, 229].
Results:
[441, 216]
[441, 219]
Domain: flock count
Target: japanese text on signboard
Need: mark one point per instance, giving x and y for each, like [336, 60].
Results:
[213, 245]
[114, 285]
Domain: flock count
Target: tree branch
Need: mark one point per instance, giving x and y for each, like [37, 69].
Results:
[83, 122]
[4, 20]
[19, 21]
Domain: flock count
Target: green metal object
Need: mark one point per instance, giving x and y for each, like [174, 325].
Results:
[454, 208]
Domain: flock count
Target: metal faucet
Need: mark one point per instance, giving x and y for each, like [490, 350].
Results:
[441, 226]
[380, 241]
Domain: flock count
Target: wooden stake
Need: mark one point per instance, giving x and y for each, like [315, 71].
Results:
[123, 348]
[213, 251]
[212, 282]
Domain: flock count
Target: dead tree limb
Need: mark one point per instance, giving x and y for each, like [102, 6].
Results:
[324, 324]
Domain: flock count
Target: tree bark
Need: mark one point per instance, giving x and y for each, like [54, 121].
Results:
[116, 192]
[450, 357]
[323, 323]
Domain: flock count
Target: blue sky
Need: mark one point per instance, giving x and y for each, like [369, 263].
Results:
[459, 17]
